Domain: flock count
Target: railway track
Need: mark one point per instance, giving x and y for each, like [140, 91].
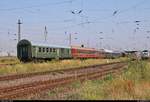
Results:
[18, 76]
[53, 79]
[11, 64]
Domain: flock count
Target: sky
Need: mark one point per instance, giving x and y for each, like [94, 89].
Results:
[109, 24]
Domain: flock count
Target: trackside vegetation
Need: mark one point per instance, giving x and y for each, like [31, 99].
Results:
[53, 65]
[132, 84]
[9, 60]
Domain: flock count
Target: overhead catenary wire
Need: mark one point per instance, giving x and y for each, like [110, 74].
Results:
[132, 7]
[82, 16]
[87, 20]
[36, 6]
[69, 1]
[117, 12]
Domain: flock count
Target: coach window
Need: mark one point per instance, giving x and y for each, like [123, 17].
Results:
[47, 50]
[50, 49]
[62, 50]
[39, 49]
[43, 49]
[54, 50]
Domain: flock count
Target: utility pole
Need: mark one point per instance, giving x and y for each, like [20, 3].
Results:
[148, 37]
[88, 43]
[70, 39]
[45, 33]
[101, 42]
[19, 30]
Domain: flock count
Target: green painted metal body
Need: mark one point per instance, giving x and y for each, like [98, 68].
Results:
[28, 51]
[59, 53]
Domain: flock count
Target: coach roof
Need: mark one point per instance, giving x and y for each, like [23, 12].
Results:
[43, 44]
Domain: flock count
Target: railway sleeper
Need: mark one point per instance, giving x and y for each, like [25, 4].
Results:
[53, 83]
[3, 90]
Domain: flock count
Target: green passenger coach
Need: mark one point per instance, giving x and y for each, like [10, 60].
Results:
[27, 51]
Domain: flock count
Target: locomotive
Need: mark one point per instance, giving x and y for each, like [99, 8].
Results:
[28, 51]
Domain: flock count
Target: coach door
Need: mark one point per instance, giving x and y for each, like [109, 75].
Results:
[24, 52]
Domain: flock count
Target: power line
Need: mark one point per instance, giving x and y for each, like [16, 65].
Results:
[34, 6]
[132, 7]
[116, 12]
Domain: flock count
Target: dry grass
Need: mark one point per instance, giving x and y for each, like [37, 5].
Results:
[133, 84]
[9, 60]
[54, 65]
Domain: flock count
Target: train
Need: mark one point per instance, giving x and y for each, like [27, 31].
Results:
[113, 54]
[29, 51]
[138, 55]
[145, 54]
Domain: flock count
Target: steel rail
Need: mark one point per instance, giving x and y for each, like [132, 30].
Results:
[21, 90]
[26, 75]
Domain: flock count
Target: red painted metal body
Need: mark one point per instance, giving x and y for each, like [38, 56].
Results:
[79, 52]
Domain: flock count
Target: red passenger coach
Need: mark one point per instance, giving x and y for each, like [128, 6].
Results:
[81, 52]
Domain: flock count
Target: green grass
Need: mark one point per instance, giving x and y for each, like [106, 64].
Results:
[133, 84]
[54, 65]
